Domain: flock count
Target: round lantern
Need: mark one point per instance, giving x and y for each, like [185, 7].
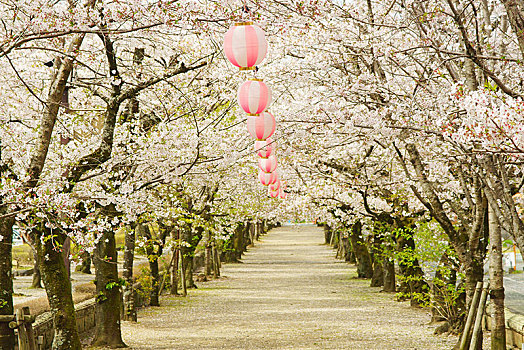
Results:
[262, 126]
[282, 194]
[267, 179]
[268, 164]
[275, 186]
[273, 194]
[254, 96]
[245, 45]
[265, 148]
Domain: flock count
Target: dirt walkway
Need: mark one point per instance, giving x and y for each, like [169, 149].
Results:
[290, 293]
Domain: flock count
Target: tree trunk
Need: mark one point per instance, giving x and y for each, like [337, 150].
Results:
[182, 273]
[47, 122]
[153, 256]
[335, 236]
[347, 249]
[496, 276]
[327, 234]
[52, 268]
[514, 9]
[351, 257]
[340, 246]
[216, 260]
[377, 280]
[58, 289]
[252, 233]
[108, 298]
[413, 285]
[188, 270]
[469, 246]
[66, 250]
[378, 269]
[85, 267]
[128, 290]
[208, 260]
[389, 276]
[499, 193]
[260, 230]
[263, 227]
[364, 267]
[155, 282]
[37, 276]
[474, 273]
[247, 237]
[238, 242]
[174, 267]
[7, 335]
[190, 242]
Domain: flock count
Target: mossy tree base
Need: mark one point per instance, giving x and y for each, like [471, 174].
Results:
[58, 289]
[108, 299]
[7, 335]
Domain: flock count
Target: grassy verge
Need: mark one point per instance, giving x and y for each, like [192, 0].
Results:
[40, 305]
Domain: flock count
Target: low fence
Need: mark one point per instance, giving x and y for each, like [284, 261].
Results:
[514, 329]
[43, 326]
[85, 321]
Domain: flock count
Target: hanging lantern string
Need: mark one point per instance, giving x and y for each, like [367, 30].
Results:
[247, 15]
[246, 11]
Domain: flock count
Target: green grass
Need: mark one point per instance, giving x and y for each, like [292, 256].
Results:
[23, 255]
[120, 238]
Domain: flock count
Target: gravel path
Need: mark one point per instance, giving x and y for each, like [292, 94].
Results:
[289, 293]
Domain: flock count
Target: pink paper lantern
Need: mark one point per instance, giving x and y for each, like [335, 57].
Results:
[254, 96]
[261, 127]
[267, 179]
[275, 186]
[268, 165]
[245, 45]
[273, 194]
[265, 148]
[282, 194]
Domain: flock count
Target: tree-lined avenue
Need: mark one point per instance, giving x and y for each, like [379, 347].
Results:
[289, 293]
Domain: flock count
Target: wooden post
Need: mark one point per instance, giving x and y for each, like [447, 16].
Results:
[480, 312]
[471, 316]
[28, 325]
[23, 321]
[23, 341]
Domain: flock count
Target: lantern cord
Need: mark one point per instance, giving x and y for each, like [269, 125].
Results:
[246, 11]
